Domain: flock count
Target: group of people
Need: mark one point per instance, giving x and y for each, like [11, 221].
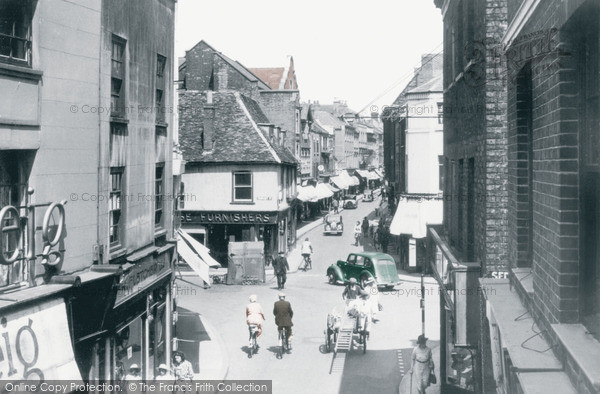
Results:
[282, 310]
[365, 300]
[182, 370]
[380, 237]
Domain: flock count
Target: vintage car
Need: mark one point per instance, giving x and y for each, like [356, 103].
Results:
[362, 266]
[350, 201]
[333, 224]
[368, 197]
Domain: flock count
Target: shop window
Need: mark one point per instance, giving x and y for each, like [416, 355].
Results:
[117, 75]
[159, 188]
[15, 31]
[128, 349]
[242, 186]
[114, 215]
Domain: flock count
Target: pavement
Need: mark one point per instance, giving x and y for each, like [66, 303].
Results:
[212, 360]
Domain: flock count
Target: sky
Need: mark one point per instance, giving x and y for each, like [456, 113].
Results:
[342, 49]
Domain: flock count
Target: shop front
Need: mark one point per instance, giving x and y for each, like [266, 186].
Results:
[459, 308]
[273, 228]
[36, 341]
[137, 322]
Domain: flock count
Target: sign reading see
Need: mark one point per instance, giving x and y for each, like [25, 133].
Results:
[229, 217]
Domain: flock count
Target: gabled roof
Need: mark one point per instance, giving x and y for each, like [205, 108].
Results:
[237, 138]
[233, 63]
[435, 85]
[270, 76]
[327, 121]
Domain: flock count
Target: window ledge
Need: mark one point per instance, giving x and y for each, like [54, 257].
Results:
[583, 348]
[20, 71]
[242, 203]
[117, 251]
[159, 232]
[116, 119]
[162, 124]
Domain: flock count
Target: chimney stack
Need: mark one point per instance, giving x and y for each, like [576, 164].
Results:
[209, 121]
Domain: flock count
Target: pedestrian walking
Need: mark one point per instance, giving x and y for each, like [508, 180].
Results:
[357, 232]
[280, 268]
[365, 227]
[422, 365]
[182, 369]
[384, 238]
[335, 204]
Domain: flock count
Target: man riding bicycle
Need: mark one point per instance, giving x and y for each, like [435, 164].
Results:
[306, 251]
[283, 318]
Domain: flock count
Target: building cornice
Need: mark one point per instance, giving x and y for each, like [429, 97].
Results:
[445, 7]
[521, 17]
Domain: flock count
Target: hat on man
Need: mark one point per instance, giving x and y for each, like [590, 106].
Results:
[163, 367]
[281, 295]
[134, 366]
[353, 281]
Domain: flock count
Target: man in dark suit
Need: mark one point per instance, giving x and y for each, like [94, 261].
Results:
[280, 268]
[283, 317]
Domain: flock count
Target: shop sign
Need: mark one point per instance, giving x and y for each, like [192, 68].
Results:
[222, 217]
[35, 344]
[139, 277]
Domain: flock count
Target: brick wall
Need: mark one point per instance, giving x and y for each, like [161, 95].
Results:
[199, 66]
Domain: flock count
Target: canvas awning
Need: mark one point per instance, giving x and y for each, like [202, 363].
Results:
[412, 216]
[355, 180]
[372, 176]
[202, 250]
[323, 191]
[363, 173]
[332, 188]
[307, 194]
[195, 255]
[339, 182]
[40, 335]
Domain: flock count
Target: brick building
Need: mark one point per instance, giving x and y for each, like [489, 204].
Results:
[552, 76]
[473, 239]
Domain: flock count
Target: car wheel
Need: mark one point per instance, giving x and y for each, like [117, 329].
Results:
[332, 279]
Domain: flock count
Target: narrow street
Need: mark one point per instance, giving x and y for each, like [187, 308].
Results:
[308, 368]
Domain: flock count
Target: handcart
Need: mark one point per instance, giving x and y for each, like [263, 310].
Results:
[342, 328]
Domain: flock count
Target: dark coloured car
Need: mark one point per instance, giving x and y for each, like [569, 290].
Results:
[333, 224]
[362, 266]
[350, 202]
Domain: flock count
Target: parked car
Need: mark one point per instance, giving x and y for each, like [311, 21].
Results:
[368, 197]
[333, 224]
[362, 266]
[350, 202]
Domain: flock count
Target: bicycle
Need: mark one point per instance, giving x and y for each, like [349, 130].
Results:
[307, 263]
[253, 328]
[283, 342]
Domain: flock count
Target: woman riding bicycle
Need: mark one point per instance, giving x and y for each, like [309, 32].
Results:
[254, 316]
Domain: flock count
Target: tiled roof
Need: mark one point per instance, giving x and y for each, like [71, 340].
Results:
[244, 71]
[433, 85]
[269, 75]
[327, 119]
[236, 136]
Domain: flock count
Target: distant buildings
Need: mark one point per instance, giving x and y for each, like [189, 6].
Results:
[414, 159]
